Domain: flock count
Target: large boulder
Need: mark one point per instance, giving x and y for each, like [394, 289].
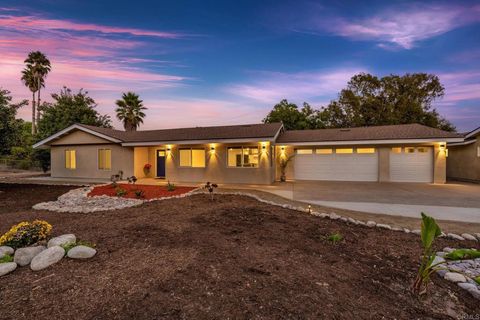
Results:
[6, 250]
[7, 268]
[47, 258]
[81, 252]
[62, 240]
[24, 256]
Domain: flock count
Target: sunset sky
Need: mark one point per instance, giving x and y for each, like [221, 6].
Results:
[198, 63]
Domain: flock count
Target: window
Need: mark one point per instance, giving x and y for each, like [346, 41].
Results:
[104, 159]
[194, 158]
[397, 150]
[70, 159]
[243, 157]
[304, 151]
[422, 150]
[365, 150]
[344, 150]
[478, 152]
[409, 150]
[323, 151]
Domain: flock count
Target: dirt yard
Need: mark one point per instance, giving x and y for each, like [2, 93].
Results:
[233, 258]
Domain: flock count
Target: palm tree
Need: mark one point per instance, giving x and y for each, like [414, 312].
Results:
[36, 70]
[130, 111]
[28, 78]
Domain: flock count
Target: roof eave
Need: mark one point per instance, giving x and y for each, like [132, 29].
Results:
[378, 141]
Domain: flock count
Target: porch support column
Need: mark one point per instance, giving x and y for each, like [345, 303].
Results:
[439, 163]
[383, 164]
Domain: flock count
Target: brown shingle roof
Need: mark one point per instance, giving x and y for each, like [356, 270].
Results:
[248, 131]
[404, 131]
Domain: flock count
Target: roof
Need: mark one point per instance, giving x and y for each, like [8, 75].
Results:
[472, 133]
[390, 132]
[267, 131]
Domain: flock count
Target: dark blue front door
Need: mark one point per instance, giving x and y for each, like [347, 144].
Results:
[160, 163]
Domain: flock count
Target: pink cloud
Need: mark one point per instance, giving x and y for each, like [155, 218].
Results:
[400, 26]
[271, 87]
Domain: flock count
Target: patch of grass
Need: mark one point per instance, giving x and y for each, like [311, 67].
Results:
[462, 254]
[71, 245]
[6, 258]
[335, 238]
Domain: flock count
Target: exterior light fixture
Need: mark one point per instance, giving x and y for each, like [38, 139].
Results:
[212, 149]
[442, 147]
[310, 208]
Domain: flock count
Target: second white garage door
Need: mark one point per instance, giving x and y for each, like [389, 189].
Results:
[411, 164]
[313, 164]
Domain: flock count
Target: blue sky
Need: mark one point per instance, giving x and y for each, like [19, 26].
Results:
[224, 62]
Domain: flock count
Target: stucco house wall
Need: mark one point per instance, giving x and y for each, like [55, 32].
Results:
[463, 163]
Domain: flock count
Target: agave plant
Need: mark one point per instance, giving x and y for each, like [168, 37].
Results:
[429, 232]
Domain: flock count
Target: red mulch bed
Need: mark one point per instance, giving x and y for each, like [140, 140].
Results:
[151, 192]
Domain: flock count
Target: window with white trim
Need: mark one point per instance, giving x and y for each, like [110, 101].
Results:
[410, 150]
[192, 157]
[323, 151]
[397, 149]
[365, 150]
[70, 159]
[246, 157]
[104, 159]
[344, 150]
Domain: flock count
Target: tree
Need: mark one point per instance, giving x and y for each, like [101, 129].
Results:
[368, 101]
[130, 111]
[293, 118]
[33, 76]
[11, 129]
[67, 109]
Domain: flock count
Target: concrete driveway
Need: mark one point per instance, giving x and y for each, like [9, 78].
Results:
[452, 201]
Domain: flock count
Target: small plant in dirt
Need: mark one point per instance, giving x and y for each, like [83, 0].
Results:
[210, 187]
[462, 254]
[477, 280]
[26, 233]
[71, 245]
[170, 186]
[335, 237]
[139, 193]
[6, 258]
[120, 192]
[429, 232]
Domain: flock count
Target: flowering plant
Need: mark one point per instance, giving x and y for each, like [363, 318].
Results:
[146, 168]
[26, 233]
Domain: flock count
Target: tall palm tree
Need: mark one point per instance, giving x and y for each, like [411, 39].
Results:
[28, 78]
[37, 66]
[130, 111]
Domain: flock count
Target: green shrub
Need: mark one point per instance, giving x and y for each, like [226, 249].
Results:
[429, 232]
[6, 258]
[139, 193]
[120, 192]
[335, 238]
[170, 186]
[461, 254]
[26, 233]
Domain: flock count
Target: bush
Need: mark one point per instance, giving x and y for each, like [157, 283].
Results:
[6, 258]
[120, 192]
[26, 233]
[170, 186]
[43, 157]
[139, 193]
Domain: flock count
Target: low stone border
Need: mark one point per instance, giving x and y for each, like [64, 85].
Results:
[78, 201]
[460, 272]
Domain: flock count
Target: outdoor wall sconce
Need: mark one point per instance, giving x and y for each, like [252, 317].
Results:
[442, 147]
[212, 149]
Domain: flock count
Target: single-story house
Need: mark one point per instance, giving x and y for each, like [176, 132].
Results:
[252, 153]
[463, 162]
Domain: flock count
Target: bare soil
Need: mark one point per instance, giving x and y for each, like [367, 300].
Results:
[231, 258]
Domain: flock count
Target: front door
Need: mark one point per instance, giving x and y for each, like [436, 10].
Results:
[160, 163]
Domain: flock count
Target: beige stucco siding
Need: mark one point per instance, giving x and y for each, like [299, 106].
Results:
[87, 162]
[463, 162]
[215, 170]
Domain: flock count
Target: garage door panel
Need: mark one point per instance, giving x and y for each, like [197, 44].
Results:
[412, 167]
[336, 167]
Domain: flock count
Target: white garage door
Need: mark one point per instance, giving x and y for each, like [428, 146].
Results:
[341, 164]
[411, 164]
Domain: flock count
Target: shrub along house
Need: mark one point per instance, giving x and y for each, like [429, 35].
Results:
[463, 162]
[251, 153]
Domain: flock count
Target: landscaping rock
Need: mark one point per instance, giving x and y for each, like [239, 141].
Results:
[448, 249]
[24, 256]
[478, 236]
[384, 226]
[455, 236]
[406, 230]
[47, 258]
[468, 237]
[455, 277]
[416, 231]
[442, 272]
[7, 267]
[467, 286]
[371, 224]
[62, 240]
[334, 216]
[6, 250]
[81, 252]
[438, 260]
[475, 293]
